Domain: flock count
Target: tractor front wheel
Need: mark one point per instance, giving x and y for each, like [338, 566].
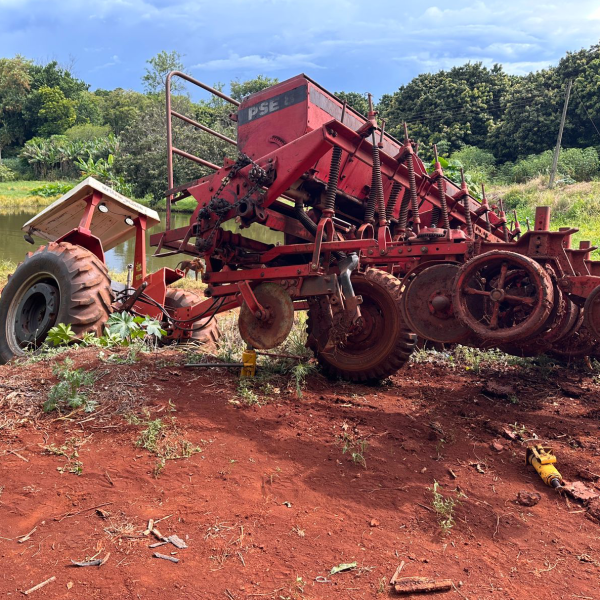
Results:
[60, 283]
[382, 342]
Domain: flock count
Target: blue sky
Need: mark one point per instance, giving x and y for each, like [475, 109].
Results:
[358, 45]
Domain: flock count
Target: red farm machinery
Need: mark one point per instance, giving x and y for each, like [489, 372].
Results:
[378, 251]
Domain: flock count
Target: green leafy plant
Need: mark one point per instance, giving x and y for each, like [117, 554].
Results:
[299, 375]
[246, 392]
[127, 327]
[6, 173]
[70, 390]
[70, 450]
[163, 438]
[60, 335]
[49, 190]
[444, 508]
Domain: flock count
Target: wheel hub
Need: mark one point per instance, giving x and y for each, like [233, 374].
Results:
[497, 295]
[36, 313]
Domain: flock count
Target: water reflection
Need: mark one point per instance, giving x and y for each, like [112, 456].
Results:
[13, 247]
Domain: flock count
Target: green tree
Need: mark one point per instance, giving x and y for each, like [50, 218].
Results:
[159, 67]
[359, 102]
[458, 107]
[241, 89]
[142, 160]
[56, 111]
[15, 84]
[120, 107]
[88, 109]
[53, 75]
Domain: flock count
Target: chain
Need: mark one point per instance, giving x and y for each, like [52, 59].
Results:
[221, 207]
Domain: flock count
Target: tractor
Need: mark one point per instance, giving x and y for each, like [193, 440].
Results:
[377, 250]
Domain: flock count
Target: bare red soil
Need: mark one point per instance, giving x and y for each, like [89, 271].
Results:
[271, 503]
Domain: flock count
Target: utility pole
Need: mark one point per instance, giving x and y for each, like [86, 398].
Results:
[560, 133]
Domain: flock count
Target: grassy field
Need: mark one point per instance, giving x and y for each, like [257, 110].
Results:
[15, 195]
[576, 205]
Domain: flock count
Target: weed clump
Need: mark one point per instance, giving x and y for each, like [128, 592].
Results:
[70, 389]
[443, 507]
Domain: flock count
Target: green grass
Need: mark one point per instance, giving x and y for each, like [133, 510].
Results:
[187, 283]
[7, 267]
[14, 195]
[575, 205]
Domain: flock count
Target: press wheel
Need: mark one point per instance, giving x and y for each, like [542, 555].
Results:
[513, 296]
[591, 313]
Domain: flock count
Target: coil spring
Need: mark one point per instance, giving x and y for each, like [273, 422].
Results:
[414, 201]
[334, 175]
[394, 193]
[370, 210]
[378, 183]
[403, 215]
[468, 220]
[444, 204]
[435, 216]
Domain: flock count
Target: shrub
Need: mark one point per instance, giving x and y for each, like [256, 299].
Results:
[87, 132]
[574, 164]
[6, 174]
[50, 190]
[19, 167]
[477, 162]
[68, 390]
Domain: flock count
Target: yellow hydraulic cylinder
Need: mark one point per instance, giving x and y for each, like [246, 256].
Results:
[542, 459]
[249, 363]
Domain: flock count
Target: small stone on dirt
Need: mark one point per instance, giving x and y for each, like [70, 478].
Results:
[594, 510]
[570, 390]
[499, 389]
[374, 523]
[497, 446]
[528, 498]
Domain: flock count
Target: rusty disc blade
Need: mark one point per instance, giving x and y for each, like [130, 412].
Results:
[591, 313]
[272, 331]
[428, 305]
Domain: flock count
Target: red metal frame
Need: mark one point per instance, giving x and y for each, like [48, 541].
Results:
[287, 134]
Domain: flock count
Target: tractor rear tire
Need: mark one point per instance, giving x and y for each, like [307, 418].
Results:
[59, 283]
[385, 342]
[208, 335]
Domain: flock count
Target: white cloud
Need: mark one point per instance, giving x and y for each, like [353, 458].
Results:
[115, 60]
[272, 62]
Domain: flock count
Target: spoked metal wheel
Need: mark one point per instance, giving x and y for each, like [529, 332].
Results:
[515, 296]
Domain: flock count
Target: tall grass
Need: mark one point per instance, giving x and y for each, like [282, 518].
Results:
[575, 205]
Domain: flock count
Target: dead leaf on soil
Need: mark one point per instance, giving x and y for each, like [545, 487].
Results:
[343, 567]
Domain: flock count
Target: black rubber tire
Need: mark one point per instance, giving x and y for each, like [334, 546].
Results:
[177, 298]
[389, 352]
[84, 292]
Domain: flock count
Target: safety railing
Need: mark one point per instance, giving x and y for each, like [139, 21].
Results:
[172, 150]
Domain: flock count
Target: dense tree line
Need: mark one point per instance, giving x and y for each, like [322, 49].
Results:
[53, 122]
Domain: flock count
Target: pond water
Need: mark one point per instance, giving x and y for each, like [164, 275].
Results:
[13, 247]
